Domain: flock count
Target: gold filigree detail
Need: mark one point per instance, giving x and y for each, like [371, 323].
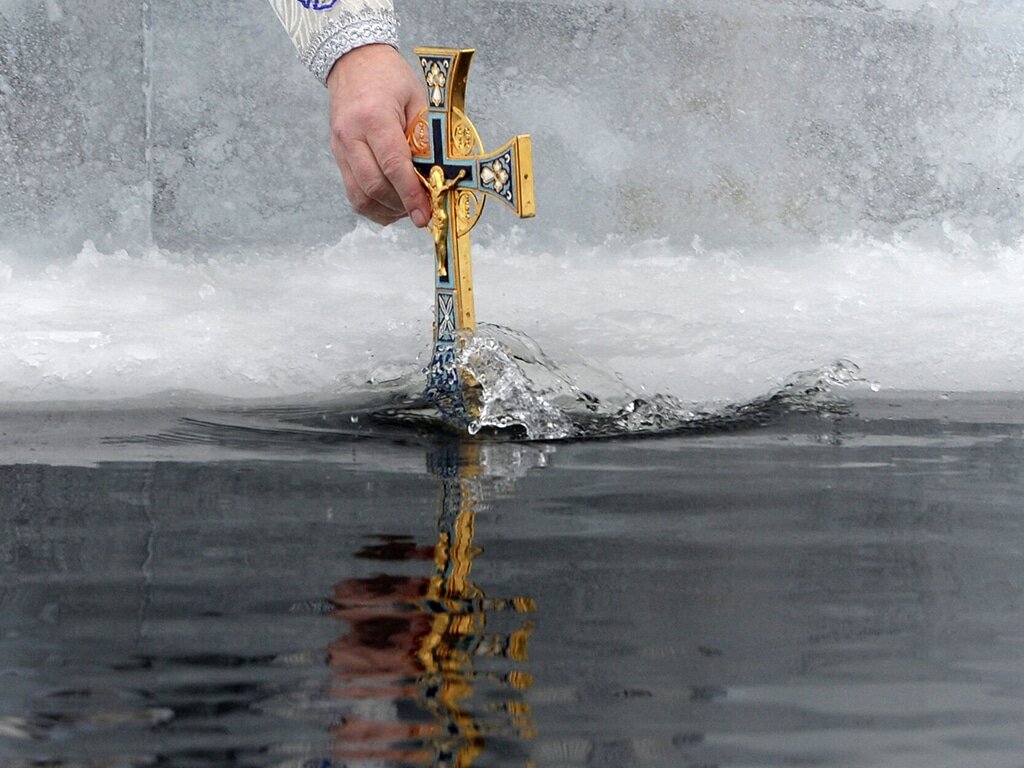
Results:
[464, 209]
[468, 207]
[463, 138]
[419, 136]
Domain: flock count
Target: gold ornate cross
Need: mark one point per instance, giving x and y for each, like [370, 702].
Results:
[459, 176]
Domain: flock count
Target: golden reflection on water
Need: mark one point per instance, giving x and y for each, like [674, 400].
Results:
[420, 640]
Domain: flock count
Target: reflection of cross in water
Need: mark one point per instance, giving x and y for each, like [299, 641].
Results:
[418, 639]
[450, 159]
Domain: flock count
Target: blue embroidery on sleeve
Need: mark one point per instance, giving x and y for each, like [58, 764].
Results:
[318, 5]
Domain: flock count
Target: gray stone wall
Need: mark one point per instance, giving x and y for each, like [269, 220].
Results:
[72, 123]
[192, 125]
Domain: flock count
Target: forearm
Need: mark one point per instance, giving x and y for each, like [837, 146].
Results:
[325, 30]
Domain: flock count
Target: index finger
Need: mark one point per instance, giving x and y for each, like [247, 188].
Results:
[394, 158]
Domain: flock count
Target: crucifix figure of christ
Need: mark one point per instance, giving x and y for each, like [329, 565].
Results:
[459, 176]
[438, 188]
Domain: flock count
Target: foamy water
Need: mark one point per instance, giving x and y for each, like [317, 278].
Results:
[648, 316]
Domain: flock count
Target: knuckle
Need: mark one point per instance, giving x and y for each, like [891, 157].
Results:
[342, 138]
[378, 189]
[340, 155]
[347, 128]
[360, 203]
[392, 164]
[359, 113]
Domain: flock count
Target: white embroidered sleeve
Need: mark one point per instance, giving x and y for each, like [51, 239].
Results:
[325, 30]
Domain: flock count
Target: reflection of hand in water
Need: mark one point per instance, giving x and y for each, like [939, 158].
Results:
[406, 665]
[376, 661]
[384, 634]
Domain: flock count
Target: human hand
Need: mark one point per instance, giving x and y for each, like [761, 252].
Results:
[374, 96]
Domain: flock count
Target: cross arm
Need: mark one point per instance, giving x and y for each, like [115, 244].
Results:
[508, 175]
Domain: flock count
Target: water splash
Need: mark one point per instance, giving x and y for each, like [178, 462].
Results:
[814, 391]
[520, 387]
[524, 393]
[521, 396]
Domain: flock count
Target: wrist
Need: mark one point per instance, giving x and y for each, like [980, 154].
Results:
[368, 57]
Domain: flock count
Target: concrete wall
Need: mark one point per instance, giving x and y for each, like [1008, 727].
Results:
[72, 123]
[740, 122]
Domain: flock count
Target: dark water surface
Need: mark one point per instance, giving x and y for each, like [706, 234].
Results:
[841, 591]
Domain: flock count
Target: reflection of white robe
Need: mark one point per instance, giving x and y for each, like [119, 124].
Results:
[325, 30]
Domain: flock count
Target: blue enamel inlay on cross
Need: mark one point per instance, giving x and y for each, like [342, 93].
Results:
[439, 156]
[446, 323]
